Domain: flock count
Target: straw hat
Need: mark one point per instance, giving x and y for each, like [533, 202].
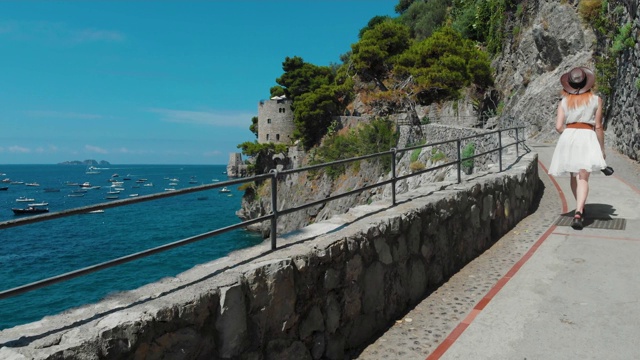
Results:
[578, 81]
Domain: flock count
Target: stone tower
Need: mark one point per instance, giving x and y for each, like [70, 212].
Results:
[275, 121]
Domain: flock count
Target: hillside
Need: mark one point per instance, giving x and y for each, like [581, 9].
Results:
[540, 40]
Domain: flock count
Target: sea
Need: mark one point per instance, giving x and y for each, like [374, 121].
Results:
[41, 250]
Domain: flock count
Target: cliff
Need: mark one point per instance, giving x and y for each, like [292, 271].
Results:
[543, 41]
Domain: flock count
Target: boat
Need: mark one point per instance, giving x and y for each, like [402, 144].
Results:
[4, 188]
[32, 184]
[148, 184]
[133, 195]
[111, 197]
[99, 211]
[92, 170]
[17, 182]
[25, 199]
[30, 210]
[225, 190]
[203, 198]
[76, 195]
[38, 204]
[85, 184]
[51, 190]
[7, 180]
[115, 175]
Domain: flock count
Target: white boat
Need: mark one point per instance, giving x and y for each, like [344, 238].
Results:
[92, 170]
[38, 204]
[100, 211]
[148, 184]
[133, 195]
[225, 190]
[32, 184]
[85, 184]
[25, 199]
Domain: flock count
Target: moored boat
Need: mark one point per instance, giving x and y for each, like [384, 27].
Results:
[30, 210]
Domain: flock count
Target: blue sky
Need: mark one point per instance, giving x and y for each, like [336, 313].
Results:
[154, 82]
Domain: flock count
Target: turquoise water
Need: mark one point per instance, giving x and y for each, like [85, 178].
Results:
[38, 251]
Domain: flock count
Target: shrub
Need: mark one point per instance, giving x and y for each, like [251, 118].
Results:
[436, 155]
[638, 84]
[377, 136]
[468, 151]
[415, 155]
[590, 10]
[416, 166]
[624, 39]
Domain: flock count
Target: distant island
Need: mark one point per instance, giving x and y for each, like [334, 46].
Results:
[86, 163]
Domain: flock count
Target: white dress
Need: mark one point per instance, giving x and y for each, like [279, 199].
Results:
[578, 148]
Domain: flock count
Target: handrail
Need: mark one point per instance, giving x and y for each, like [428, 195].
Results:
[275, 212]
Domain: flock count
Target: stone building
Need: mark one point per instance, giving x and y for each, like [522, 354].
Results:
[236, 167]
[275, 121]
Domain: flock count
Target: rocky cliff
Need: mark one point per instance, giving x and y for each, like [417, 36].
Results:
[552, 39]
[544, 40]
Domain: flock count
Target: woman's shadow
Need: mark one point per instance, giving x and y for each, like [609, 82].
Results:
[593, 212]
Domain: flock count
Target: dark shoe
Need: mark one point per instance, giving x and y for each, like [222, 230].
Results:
[607, 171]
[576, 224]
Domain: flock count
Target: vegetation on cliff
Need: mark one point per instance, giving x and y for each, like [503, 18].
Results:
[429, 53]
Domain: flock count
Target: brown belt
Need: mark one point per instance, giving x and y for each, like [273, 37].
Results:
[580, 125]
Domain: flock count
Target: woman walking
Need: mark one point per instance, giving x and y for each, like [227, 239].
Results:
[580, 148]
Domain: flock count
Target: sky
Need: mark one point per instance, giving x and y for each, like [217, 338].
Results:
[154, 82]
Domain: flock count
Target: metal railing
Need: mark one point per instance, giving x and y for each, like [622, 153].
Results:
[275, 213]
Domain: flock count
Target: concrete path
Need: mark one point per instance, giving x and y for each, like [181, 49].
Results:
[542, 291]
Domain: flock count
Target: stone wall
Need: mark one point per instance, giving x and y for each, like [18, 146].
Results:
[624, 115]
[327, 291]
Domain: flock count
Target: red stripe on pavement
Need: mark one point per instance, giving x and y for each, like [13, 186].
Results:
[462, 326]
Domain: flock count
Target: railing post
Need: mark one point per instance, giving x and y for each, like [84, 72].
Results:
[459, 143]
[500, 149]
[393, 176]
[274, 207]
[517, 143]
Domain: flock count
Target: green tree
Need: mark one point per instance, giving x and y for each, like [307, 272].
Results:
[374, 54]
[424, 17]
[254, 125]
[443, 64]
[372, 23]
[402, 6]
[313, 112]
[300, 77]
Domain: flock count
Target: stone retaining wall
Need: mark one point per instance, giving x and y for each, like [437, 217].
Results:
[319, 296]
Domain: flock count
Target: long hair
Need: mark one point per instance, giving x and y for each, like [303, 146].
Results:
[573, 100]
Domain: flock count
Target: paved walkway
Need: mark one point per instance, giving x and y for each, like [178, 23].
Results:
[542, 291]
